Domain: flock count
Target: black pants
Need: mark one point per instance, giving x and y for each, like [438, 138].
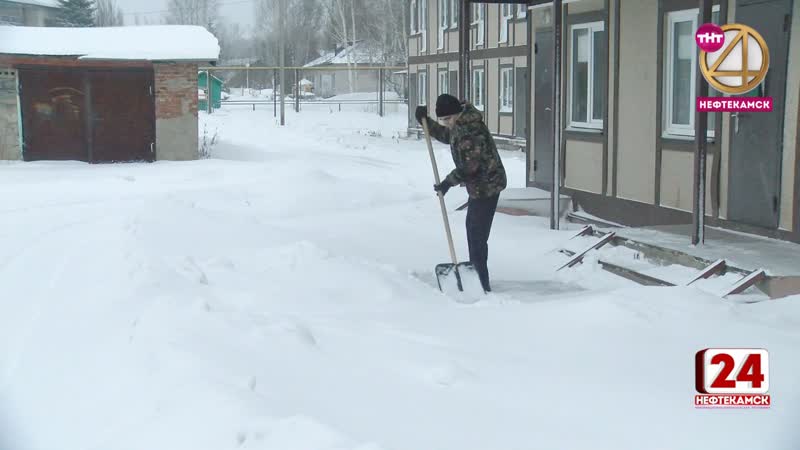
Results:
[480, 214]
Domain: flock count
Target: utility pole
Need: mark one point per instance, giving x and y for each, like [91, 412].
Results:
[701, 147]
[555, 194]
[282, 50]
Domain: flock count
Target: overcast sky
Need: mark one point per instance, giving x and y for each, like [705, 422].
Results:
[241, 11]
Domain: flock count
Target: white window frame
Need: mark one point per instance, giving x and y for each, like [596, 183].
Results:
[506, 89]
[454, 14]
[479, 20]
[591, 123]
[444, 22]
[479, 83]
[422, 88]
[414, 15]
[671, 129]
[506, 16]
[444, 82]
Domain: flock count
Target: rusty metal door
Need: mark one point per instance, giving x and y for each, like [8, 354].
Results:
[93, 115]
[122, 115]
[54, 107]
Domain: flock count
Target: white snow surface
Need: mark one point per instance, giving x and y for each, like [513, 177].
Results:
[154, 43]
[281, 296]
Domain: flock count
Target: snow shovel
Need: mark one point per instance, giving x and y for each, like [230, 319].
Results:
[446, 272]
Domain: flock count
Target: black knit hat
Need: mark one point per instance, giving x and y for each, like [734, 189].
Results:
[447, 105]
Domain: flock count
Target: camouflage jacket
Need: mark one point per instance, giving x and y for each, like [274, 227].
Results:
[478, 165]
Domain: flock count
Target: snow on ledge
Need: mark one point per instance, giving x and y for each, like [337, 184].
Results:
[153, 43]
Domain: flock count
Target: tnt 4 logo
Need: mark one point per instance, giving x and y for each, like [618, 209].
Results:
[732, 378]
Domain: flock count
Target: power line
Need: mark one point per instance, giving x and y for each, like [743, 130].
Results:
[142, 13]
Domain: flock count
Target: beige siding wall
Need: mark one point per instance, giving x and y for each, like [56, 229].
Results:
[583, 164]
[452, 41]
[413, 46]
[637, 102]
[677, 182]
[431, 86]
[492, 28]
[788, 200]
[676, 179]
[492, 94]
[585, 6]
[506, 124]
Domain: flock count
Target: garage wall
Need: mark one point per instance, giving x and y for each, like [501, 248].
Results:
[176, 111]
[9, 115]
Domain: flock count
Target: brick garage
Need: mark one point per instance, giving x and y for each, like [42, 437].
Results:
[109, 108]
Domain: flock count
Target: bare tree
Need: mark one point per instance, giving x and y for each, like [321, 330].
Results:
[193, 12]
[342, 33]
[108, 14]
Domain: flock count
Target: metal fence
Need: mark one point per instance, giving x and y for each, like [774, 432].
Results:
[375, 89]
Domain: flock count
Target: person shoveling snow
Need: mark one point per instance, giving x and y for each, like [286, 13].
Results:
[478, 167]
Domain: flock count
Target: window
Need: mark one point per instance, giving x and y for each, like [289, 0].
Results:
[680, 66]
[444, 82]
[414, 15]
[423, 23]
[444, 22]
[522, 11]
[454, 14]
[587, 75]
[507, 90]
[478, 15]
[477, 88]
[422, 88]
[506, 15]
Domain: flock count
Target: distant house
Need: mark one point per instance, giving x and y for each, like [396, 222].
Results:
[328, 83]
[28, 13]
[101, 94]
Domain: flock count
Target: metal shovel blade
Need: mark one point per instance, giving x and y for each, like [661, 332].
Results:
[461, 277]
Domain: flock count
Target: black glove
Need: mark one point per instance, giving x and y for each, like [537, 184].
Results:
[442, 187]
[421, 113]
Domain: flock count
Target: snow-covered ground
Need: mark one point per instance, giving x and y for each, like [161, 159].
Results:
[280, 296]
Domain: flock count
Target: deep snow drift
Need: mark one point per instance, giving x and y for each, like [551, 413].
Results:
[281, 296]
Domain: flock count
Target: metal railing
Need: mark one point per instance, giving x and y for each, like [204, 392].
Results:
[339, 103]
[385, 79]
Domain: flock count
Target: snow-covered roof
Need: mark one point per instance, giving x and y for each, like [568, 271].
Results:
[323, 59]
[47, 3]
[359, 53]
[305, 82]
[154, 43]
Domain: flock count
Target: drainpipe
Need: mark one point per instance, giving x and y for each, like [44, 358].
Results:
[555, 193]
[463, 45]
